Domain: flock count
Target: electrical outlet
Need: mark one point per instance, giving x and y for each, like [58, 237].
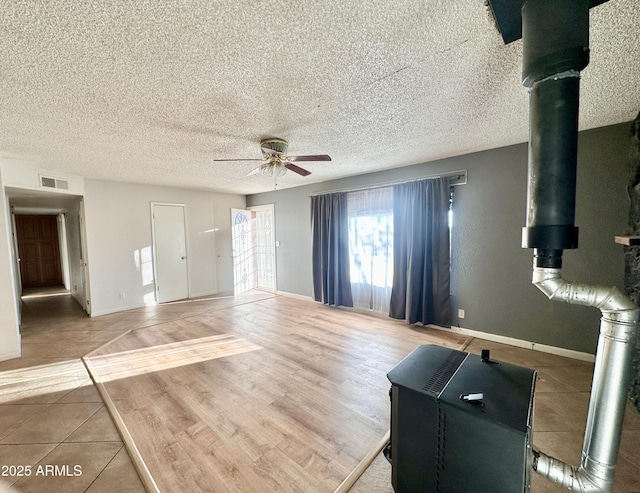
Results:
[122, 296]
[460, 313]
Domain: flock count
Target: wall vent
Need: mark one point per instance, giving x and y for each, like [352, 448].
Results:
[49, 182]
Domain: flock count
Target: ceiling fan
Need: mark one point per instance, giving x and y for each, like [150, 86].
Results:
[275, 161]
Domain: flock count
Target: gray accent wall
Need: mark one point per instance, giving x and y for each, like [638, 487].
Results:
[491, 273]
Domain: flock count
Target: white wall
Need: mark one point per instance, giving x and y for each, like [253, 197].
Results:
[27, 176]
[119, 241]
[9, 332]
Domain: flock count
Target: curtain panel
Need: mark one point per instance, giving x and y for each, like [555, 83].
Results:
[421, 278]
[330, 249]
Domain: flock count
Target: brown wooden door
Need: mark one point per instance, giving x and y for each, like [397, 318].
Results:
[39, 251]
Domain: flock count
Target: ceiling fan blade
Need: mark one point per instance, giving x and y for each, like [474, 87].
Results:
[238, 160]
[319, 157]
[296, 169]
[257, 170]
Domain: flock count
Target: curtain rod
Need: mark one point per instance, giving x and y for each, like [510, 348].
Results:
[459, 178]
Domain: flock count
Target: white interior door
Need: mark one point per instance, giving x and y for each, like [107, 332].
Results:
[83, 290]
[244, 268]
[16, 269]
[64, 251]
[170, 247]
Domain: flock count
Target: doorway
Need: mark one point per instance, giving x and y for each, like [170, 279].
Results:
[39, 251]
[254, 259]
[170, 252]
[66, 213]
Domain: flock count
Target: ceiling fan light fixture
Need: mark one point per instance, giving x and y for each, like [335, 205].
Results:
[274, 169]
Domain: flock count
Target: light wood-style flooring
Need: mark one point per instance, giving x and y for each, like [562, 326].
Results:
[274, 395]
[256, 393]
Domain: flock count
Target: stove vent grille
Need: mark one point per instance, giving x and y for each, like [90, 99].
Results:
[436, 384]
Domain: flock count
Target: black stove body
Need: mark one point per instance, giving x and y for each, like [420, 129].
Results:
[460, 423]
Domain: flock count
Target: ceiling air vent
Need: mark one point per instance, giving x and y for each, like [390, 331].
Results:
[48, 182]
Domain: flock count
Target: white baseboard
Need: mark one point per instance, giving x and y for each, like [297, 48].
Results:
[203, 294]
[109, 311]
[294, 295]
[6, 356]
[512, 341]
[567, 353]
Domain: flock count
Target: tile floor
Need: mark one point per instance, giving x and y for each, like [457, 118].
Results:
[52, 415]
[50, 412]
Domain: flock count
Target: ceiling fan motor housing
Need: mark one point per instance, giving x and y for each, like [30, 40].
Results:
[280, 146]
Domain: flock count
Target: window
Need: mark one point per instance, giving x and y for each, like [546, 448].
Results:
[396, 258]
[371, 247]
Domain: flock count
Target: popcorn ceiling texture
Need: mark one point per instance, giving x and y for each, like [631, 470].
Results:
[153, 91]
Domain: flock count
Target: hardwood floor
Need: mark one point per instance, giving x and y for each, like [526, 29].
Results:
[291, 396]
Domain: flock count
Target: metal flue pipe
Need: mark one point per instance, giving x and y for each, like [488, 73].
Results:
[611, 377]
[555, 39]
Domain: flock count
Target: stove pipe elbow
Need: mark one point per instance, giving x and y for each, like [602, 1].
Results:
[572, 478]
[614, 304]
[611, 377]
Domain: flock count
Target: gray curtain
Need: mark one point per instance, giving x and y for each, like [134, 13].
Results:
[330, 250]
[421, 252]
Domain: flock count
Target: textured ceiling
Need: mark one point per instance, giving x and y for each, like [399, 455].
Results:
[153, 91]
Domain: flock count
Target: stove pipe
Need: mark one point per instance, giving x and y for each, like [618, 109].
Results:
[555, 48]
